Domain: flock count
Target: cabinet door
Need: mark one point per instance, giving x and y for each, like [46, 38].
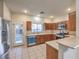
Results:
[53, 26]
[49, 37]
[51, 52]
[47, 26]
[52, 37]
[40, 39]
[28, 25]
[72, 21]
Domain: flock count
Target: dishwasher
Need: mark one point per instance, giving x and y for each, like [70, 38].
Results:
[31, 40]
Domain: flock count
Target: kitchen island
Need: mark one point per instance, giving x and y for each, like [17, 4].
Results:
[69, 48]
[52, 49]
[65, 48]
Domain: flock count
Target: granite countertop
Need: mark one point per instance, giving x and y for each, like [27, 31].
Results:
[53, 44]
[71, 42]
[42, 33]
[39, 34]
[46, 32]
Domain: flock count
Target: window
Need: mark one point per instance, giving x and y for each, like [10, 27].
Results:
[37, 27]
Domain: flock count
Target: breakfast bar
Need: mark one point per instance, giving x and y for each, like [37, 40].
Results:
[65, 48]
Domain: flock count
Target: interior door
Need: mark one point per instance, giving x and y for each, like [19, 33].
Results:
[19, 34]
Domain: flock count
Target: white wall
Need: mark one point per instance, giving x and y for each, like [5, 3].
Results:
[60, 19]
[1, 8]
[22, 17]
[77, 18]
[6, 12]
[19, 19]
[48, 20]
[73, 5]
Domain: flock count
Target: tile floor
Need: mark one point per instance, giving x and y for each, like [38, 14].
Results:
[22, 52]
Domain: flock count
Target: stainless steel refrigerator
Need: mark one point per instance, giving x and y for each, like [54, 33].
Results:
[4, 47]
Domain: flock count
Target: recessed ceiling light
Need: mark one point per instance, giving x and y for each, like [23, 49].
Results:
[38, 15]
[51, 16]
[37, 18]
[25, 11]
[69, 9]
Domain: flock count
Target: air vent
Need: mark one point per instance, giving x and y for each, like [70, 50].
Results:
[42, 12]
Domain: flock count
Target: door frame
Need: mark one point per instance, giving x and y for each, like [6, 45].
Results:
[19, 44]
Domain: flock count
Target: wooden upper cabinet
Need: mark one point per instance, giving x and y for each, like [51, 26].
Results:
[50, 26]
[72, 21]
[54, 26]
[47, 26]
[28, 25]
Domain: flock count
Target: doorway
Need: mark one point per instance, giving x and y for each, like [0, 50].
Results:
[19, 34]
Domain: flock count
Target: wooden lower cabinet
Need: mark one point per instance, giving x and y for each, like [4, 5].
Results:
[44, 38]
[51, 52]
[72, 21]
[50, 37]
[40, 39]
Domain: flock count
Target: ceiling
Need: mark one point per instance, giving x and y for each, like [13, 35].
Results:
[50, 7]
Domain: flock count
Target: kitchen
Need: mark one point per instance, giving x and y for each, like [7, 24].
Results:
[52, 36]
[57, 34]
[53, 31]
